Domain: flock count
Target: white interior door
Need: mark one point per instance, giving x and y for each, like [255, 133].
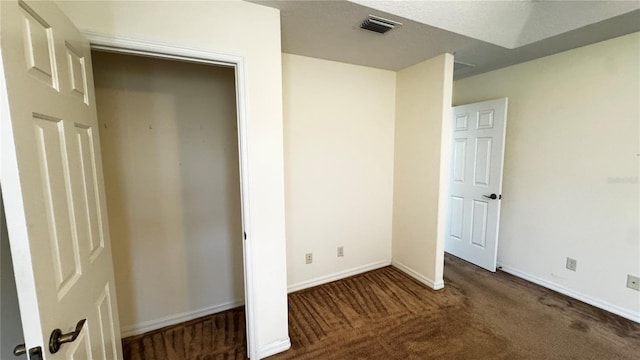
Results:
[477, 154]
[52, 184]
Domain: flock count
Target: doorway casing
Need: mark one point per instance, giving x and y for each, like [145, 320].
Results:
[169, 52]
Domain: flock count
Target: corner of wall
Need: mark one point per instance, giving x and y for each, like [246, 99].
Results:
[338, 168]
[431, 283]
[423, 105]
[445, 158]
[274, 348]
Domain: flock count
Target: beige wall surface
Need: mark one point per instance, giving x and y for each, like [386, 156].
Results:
[170, 155]
[338, 132]
[571, 169]
[423, 107]
[252, 32]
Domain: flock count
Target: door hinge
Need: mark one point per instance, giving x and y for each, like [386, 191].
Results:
[245, 235]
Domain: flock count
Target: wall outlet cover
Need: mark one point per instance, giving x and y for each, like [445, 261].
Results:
[340, 251]
[572, 264]
[633, 282]
[308, 257]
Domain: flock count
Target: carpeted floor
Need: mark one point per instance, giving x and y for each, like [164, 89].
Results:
[384, 314]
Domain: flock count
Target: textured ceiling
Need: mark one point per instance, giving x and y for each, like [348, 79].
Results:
[330, 30]
[509, 24]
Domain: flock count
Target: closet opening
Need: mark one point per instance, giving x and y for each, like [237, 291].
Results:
[171, 137]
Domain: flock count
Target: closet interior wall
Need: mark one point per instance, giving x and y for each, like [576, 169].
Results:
[168, 132]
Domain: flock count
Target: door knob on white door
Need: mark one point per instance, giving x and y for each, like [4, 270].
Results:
[58, 338]
[34, 353]
[19, 350]
[492, 196]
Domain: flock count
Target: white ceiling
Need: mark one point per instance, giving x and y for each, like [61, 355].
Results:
[509, 24]
[503, 33]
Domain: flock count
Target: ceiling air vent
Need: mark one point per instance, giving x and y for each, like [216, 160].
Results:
[378, 24]
[459, 65]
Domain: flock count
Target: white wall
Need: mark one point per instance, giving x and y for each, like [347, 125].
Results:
[338, 132]
[10, 322]
[423, 106]
[169, 142]
[253, 32]
[571, 169]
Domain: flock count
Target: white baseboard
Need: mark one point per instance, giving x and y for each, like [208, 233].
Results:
[337, 276]
[571, 293]
[435, 285]
[274, 348]
[145, 326]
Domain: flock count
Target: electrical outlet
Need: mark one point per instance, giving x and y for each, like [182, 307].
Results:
[572, 264]
[308, 258]
[340, 251]
[633, 282]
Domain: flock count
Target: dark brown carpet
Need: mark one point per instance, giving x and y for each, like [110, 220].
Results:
[384, 314]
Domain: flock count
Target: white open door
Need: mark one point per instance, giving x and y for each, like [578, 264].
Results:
[52, 185]
[477, 154]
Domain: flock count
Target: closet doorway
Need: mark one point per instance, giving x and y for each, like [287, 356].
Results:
[171, 140]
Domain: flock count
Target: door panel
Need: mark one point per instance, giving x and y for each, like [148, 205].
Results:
[90, 186]
[458, 162]
[81, 348]
[482, 162]
[485, 119]
[107, 347]
[479, 212]
[55, 177]
[39, 47]
[457, 217]
[52, 183]
[477, 148]
[77, 74]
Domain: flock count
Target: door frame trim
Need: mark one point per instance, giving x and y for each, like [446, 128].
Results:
[122, 45]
